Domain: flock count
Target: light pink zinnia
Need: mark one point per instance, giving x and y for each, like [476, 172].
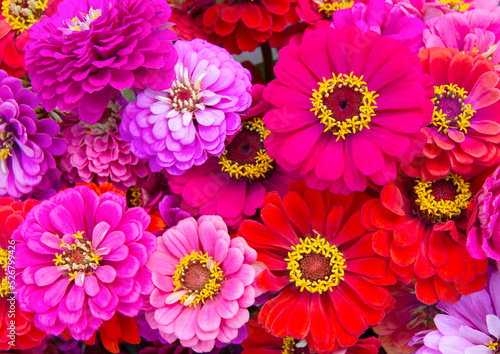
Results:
[204, 283]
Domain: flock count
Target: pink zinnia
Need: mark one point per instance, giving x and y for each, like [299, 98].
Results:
[472, 31]
[80, 258]
[345, 114]
[204, 283]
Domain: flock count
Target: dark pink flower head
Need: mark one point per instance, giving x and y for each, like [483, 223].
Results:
[472, 31]
[90, 47]
[81, 257]
[430, 9]
[384, 18]
[97, 153]
[348, 108]
[482, 233]
[204, 283]
[180, 127]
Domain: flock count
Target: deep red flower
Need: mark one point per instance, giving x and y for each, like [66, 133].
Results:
[187, 17]
[260, 341]
[320, 258]
[242, 25]
[421, 227]
[27, 336]
[14, 31]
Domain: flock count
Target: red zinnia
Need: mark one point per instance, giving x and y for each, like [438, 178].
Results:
[421, 227]
[320, 258]
[244, 25]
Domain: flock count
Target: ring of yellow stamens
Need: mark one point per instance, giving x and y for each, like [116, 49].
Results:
[343, 128]
[319, 246]
[440, 119]
[492, 346]
[211, 287]
[20, 17]
[263, 163]
[4, 283]
[288, 345]
[6, 145]
[134, 197]
[328, 8]
[87, 261]
[442, 210]
[456, 5]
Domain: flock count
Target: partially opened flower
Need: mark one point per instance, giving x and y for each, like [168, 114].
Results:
[421, 227]
[204, 283]
[27, 335]
[80, 258]
[90, 47]
[320, 259]
[465, 130]
[177, 128]
[472, 31]
[346, 111]
[27, 145]
[472, 325]
[384, 18]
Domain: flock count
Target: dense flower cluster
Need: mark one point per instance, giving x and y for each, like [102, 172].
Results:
[336, 190]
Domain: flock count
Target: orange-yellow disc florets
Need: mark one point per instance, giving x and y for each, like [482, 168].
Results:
[450, 111]
[344, 105]
[4, 283]
[21, 14]
[329, 7]
[315, 265]
[199, 276]
[456, 5]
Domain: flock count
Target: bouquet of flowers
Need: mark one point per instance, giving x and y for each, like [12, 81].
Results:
[161, 194]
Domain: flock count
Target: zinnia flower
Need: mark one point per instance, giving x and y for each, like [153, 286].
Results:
[80, 258]
[244, 25]
[204, 283]
[345, 113]
[15, 19]
[464, 130]
[421, 227]
[26, 335]
[176, 128]
[482, 231]
[98, 153]
[472, 325]
[27, 145]
[90, 47]
[321, 260]
[384, 18]
[472, 31]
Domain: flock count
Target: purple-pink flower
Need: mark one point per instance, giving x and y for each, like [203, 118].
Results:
[90, 47]
[97, 153]
[81, 257]
[27, 145]
[384, 18]
[204, 283]
[177, 128]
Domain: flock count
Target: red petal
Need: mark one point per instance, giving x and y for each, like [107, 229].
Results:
[370, 267]
[280, 316]
[446, 292]
[365, 213]
[392, 198]
[130, 331]
[333, 221]
[297, 211]
[316, 205]
[423, 267]
[352, 229]
[381, 242]
[362, 248]
[439, 61]
[267, 281]
[223, 28]
[322, 330]
[244, 39]
[437, 252]
[299, 320]
[251, 15]
[232, 14]
[406, 234]
[350, 317]
[258, 235]
[459, 69]
[474, 286]
[274, 198]
[425, 290]
[276, 220]
[278, 7]
[367, 292]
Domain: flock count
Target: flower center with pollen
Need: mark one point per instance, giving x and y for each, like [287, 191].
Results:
[78, 257]
[493, 345]
[6, 141]
[315, 265]
[134, 197]
[327, 8]
[450, 111]
[21, 14]
[82, 21]
[4, 283]
[184, 96]
[439, 201]
[344, 105]
[246, 157]
[456, 5]
[199, 276]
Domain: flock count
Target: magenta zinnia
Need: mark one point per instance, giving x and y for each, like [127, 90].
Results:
[80, 258]
[346, 114]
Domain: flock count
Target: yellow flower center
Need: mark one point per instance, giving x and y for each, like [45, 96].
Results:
[456, 5]
[315, 265]
[21, 14]
[344, 105]
[450, 111]
[4, 283]
[492, 346]
[442, 200]
[199, 275]
[329, 7]
[134, 197]
[78, 257]
[288, 345]
[246, 157]
[6, 140]
[82, 23]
